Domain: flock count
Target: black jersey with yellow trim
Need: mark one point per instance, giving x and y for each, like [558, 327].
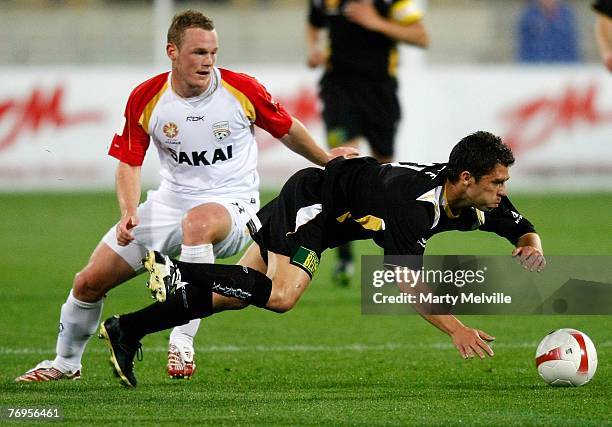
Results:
[401, 205]
[354, 50]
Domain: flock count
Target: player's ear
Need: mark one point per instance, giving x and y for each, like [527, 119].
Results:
[172, 51]
[464, 177]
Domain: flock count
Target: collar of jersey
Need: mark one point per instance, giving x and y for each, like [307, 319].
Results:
[447, 209]
[215, 78]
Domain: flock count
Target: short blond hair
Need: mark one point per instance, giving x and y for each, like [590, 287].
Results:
[187, 19]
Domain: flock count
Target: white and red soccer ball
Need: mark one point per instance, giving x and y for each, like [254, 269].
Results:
[566, 357]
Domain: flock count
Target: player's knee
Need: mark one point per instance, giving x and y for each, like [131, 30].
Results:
[87, 288]
[202, 226]
[196, 228]
[283, 297]
[281, 306]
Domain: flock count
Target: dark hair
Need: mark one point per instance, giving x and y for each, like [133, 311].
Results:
[187, 19]
[478, 154]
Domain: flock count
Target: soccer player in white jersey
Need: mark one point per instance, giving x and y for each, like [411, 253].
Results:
[200, 119]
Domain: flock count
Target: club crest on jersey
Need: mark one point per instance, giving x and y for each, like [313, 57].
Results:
[221, 130]
[170, 130]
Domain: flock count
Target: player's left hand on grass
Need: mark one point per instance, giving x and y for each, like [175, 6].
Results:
[471, 342]
[346, 151]
[530, 258]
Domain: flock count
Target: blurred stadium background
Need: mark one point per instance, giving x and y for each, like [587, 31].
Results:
[119, 32]
[67, 68]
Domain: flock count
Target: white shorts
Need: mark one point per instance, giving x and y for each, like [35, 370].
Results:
[160, 226]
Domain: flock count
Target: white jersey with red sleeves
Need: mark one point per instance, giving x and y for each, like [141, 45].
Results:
[206, 144]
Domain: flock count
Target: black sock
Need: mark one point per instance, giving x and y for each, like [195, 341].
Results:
[187, 303]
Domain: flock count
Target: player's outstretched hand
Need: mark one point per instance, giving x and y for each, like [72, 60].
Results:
[346, 151]
[124, 230]
[530, 258]
[471, 342]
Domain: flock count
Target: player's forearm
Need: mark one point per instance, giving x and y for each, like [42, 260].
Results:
[447, 323]
[530, 239]
[414, 34]
[315, 52]
[299, 140]
[529, 252]
[128, 188]
[313, 39]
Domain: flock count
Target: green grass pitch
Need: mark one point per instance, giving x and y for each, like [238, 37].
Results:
[323, 362]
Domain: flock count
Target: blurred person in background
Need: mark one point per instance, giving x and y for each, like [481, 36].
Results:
[547, 33]
[603, 30]
[358, 88]
[201, 120]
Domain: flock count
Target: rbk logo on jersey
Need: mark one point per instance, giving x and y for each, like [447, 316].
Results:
[221, 130]
[195, 118]
[202, 158]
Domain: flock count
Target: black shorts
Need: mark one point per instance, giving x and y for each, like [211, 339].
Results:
[356, 107]
[293, 224]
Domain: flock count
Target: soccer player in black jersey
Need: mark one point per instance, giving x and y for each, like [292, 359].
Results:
[358, 88]
[399, 206]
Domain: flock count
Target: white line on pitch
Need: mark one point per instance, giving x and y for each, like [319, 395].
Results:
[296, 348]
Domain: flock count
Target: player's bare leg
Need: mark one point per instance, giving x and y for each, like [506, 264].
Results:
[104, 271]
[80, 315]
[252, 258]
[288, 283]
